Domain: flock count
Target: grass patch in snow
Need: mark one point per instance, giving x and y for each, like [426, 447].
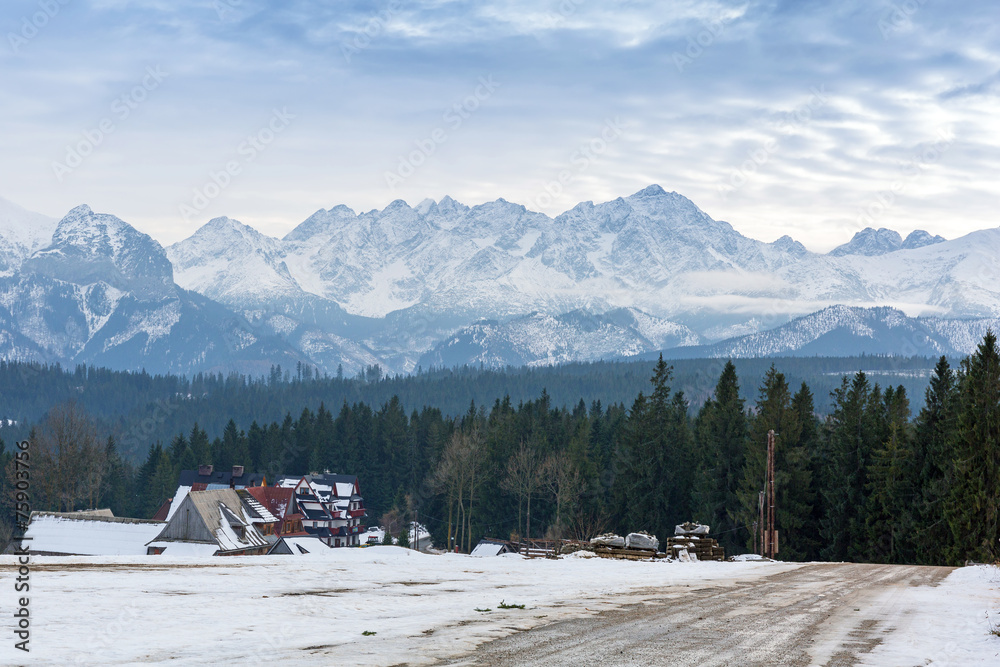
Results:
[504, 605]
[368, 633]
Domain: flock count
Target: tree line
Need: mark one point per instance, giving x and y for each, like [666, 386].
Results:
[865, 482]
[140, 409]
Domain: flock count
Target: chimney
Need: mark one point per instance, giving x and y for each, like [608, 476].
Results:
[204, 470]
[237, 471]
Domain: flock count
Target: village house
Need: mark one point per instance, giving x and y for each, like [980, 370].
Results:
[206, 478]
[215, 522]
[331, 506]
[280, 502]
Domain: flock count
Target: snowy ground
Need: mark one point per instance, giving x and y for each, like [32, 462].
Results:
[951, 624]
[422, 608]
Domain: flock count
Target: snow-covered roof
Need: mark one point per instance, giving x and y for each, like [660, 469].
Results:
[486, 548]
[182, 492]
[89, 535]
[300, 546]
[224, 518]
[263, 514]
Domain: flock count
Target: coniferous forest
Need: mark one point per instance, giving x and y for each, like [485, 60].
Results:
[866, 473]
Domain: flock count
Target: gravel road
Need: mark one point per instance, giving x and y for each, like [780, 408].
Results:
[823, 614]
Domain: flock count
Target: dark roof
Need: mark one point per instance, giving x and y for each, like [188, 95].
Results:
[314, 515]
[318, 532]
[161, 514]
[191, 477]
[330, 478]
[277, 500]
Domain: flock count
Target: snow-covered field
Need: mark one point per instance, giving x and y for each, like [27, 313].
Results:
[315, 609]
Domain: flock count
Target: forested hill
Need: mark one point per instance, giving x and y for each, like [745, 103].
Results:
[143, 409]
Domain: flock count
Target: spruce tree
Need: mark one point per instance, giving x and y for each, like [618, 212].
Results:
[792, 477]
[720, 436]
[889, 518]
[974, 507]
[931, 466]
[815, 451]
[851, 437]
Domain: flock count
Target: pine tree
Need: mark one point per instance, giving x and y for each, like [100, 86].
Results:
[720, 436]
[974, 507]
[815, 451]
[931, 466]
[889, 518]
[852, 436]
[792, 478]
[646, 455]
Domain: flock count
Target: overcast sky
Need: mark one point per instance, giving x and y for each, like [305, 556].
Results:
[796, 117]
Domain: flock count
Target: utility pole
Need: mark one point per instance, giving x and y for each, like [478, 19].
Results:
[772, 536]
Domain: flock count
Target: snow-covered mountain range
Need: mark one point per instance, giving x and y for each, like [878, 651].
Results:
[442, 283]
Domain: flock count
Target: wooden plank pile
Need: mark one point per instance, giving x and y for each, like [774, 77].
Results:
[692, 540]
[635, 546]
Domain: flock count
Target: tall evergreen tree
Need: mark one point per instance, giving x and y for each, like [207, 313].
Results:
[931, 466]
[815, 451]
[974, 508]
[889, 519]
[650, 451]
[792, 478]
[720, 436]
[852, 437]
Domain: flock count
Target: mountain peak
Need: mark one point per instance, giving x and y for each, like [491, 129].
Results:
[919, 239]
[870, 242]
[650, 191]
[90, 247]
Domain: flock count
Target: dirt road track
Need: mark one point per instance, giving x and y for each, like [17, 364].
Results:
[825, 614]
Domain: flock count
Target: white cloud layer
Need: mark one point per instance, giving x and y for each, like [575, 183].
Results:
[803, 118]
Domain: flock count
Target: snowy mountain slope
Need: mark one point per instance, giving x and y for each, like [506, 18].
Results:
[654, 250]
[102, 293]
[447, 283]
[539, 339]
[850, 331]
[874, 242]
[21, 233]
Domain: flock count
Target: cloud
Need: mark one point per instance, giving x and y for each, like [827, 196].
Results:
[717, 100]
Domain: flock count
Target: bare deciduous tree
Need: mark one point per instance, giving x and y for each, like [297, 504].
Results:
[69, 460]
[561, 478]
[524, 478]
[458, 474]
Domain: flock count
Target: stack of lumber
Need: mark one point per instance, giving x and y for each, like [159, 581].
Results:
[635, 546]
[692, 540]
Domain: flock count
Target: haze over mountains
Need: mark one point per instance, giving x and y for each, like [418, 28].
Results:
[442, 283]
